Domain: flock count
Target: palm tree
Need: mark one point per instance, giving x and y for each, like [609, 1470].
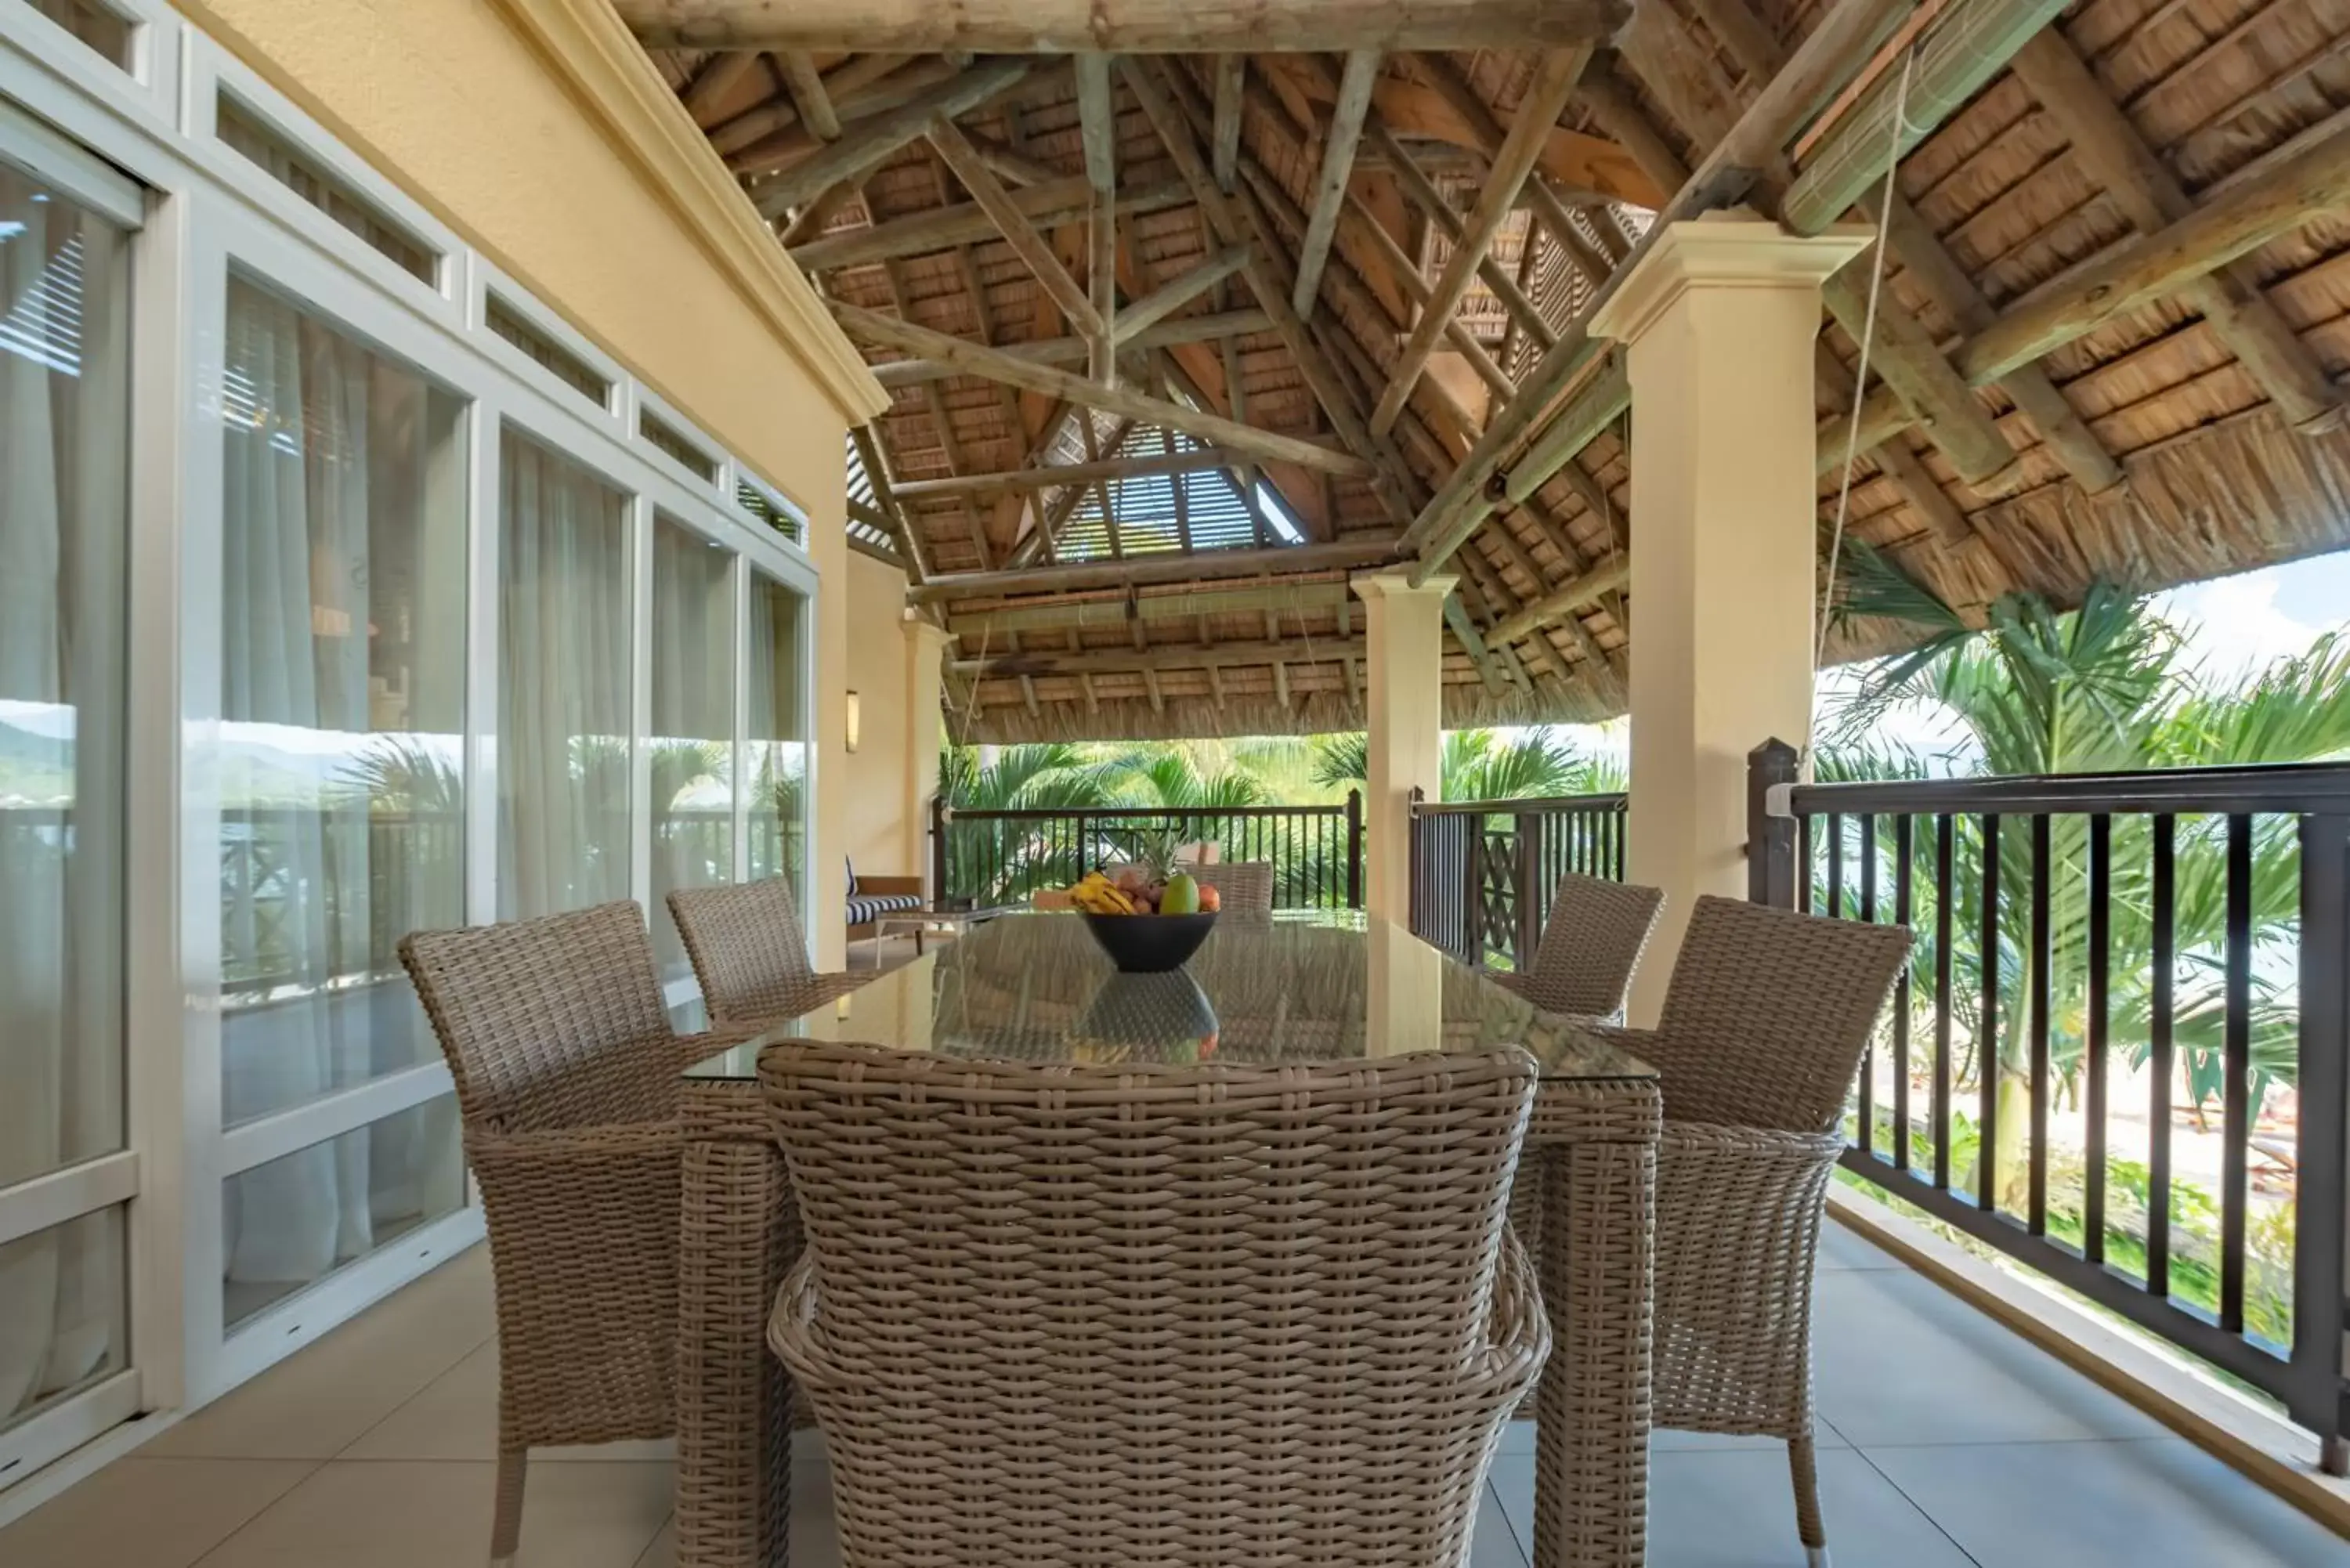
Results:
[1480, 764]
[996, 861]
[2101, 688]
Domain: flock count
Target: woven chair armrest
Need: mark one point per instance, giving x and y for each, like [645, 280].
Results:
[1764, 1144]
[795, 1334]
[693, 1048]
[576, 1148]
[1510, 981]
[1518, 1338]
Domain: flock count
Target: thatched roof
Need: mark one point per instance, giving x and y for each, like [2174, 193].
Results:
[2194, 434]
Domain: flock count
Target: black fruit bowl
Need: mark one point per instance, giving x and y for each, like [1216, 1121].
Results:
[1148, 944]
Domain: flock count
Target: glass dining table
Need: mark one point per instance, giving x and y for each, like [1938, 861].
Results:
[1332, 987]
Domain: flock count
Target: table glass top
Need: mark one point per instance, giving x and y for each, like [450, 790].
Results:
[1035, 987]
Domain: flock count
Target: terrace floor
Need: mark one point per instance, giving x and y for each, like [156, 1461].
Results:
[1946, 1440]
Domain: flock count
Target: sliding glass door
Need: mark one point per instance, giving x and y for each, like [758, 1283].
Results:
[692, 762]
[341, 784]
[66, 1175]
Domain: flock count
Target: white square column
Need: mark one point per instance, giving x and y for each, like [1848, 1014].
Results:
[926, 647]
[1404, 678]
[1720, 319]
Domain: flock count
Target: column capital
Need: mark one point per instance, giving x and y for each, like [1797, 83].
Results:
[1390, 585]
[1723, 250]
[923, 634]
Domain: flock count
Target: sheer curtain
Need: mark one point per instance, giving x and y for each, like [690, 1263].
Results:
[693, 724]
[340, 600]
[64, 358]
[779, 734]
[563, 656]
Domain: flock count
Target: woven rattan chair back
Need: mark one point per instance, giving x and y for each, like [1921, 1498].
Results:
[1244, 886]
[1768, 1013]
[1212, 1314]
[1591, 942]
[544, 1020]
[747, 950]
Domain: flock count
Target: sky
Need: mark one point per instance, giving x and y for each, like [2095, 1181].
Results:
[2229, 626]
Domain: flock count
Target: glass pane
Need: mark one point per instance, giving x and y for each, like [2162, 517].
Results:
[291, 1222]
[778, 735]
[563, 685]
[94, 24]
[64, 1313]
[340, 757]
[693, 724]
[65, 335]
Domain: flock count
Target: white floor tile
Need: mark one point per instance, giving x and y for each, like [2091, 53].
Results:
[316, 1403]
[2161, 1503]
[143, 1512]
[1842, 1247]
[1492, 1543]
[405, 1514]
[455, 1417]
[1898, 1359]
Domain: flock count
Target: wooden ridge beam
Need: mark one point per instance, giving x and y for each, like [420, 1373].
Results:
[1127, 26]
[1553, 85]
[2133, 176]
[1337, 167]
[1202, 460]
[1061, 201]
[1160, 567]
[1225, 324]
[1827, 55]
[875, 141]
[1027, 374]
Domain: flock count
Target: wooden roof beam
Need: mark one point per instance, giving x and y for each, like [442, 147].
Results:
[1828, 55]
[893, 515]
[1415, 183]
[1231, 77]
[1922, 255]
[996, 365]
[875, 141]
[1198, 460]
[1158, 567]
[1018, 231]
[2118, 160]
[1330, 179]
[1078, 350]
[745, 138]
[1065, 199]
[1177, 292]
[1554, 84]
[808, 93]
[1275, 651]
[1098, 129]
[1127, 27]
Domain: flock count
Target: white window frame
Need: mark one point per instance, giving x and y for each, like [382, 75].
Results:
[207, 207]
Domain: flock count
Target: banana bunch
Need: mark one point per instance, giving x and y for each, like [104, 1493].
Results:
[1100, 895]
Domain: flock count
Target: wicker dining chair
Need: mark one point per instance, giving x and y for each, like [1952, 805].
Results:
[1244, 886]
[744, 942]
[1763, 1026]
[1207, 1313]
[1591, 943]
[567, 1074]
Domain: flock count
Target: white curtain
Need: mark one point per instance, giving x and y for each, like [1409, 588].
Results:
[324, 461]
[563, 754]
[64, 324]
[693, 719]
[778, 753]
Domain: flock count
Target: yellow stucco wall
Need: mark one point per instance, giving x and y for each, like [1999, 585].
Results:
[879, 838]
[450, 102]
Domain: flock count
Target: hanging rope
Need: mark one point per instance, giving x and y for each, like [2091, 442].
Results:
[1900, 127]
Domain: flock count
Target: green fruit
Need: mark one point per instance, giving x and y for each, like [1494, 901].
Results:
[1182, 897]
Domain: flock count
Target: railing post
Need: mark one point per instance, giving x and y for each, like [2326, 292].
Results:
[1526, 933]
[2321, 1164]
[1355, 845]
[940, 891]
[1770, 840]
[1415, 848]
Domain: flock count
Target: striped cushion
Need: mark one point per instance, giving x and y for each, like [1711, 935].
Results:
[864, 911]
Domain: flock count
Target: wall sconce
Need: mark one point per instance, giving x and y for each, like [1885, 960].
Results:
[856, 714]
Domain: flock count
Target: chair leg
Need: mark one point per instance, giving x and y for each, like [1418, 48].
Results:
[505, 1526]
[1803, 1466]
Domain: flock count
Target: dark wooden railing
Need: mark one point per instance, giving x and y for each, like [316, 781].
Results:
[983, 857]
[1482, 870]
[2195, 922]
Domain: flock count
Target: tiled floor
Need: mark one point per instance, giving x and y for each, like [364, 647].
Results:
[1946, 1441]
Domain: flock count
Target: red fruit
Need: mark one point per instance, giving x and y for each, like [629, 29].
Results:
[1210, 900]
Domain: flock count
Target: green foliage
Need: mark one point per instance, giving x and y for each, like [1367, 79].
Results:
[1482, 764]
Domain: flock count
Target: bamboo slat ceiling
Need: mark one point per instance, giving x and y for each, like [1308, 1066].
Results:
[2185, 159]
